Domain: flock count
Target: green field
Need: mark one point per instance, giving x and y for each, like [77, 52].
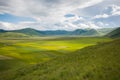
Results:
[37, 50]
[59, 58]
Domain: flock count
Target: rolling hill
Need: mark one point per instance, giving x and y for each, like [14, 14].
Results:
[81, 32]
[114, 34]
[13, 35]
[33, 32]
[105, 31]
[2, 31]
[28, 31]
[85, 32]
[99, 62]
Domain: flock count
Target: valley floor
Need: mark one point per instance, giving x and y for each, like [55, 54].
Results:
[60, 58]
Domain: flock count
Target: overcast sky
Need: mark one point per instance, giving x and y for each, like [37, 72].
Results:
[59, 14]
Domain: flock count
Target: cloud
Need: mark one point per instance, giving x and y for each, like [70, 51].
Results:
[102, 16]
[7, 26]
[42, 26]
[41, 9]
[60, 14]
[78, 22]
[115, 11]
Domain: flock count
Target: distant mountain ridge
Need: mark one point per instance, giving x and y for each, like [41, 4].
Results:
[13, 35]
[2, 31]
[104, 31]
[112, 32]
[28, 31]
[82, 32]
[33, 32]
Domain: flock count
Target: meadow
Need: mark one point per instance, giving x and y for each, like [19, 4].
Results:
[60, 58]
[15, 51]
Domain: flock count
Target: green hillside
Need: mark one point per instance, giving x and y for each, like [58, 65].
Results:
[91, 32]
[115, 33]
[28, 31]
[85, 32]
[100, 62]
[13, 35]
[105, 31]
[33, 32]
[2, 31]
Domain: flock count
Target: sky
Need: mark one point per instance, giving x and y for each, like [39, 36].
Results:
[59, 14]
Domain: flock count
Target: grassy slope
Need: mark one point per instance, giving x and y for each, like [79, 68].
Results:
[32, 51]
[13, 35]
[100, 62]
[105, 31]
[115, 33]
[28, 31]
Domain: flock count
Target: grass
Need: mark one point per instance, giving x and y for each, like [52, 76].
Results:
[36, 50]
[54, 52]
[13, 35]
[96, 62]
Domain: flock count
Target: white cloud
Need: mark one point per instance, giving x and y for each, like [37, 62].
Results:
[102, 25]
[7, 26]
[90, 25]
[81, 25]
[115, 10]
[49, 12]
[36, 25]
[91, 3]
[101, 16]
[52, 10]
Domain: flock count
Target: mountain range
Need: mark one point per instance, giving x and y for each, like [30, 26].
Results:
[33, 32]
[109, 32]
